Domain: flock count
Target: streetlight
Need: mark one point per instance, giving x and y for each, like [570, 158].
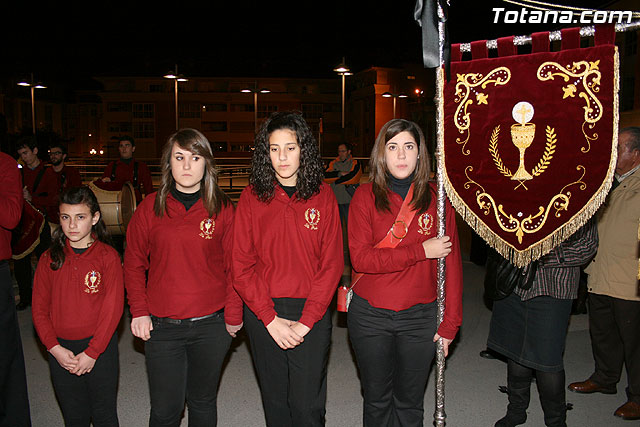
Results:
[394, 96]
[343, 71]
[176, 78]
[255, 103]
[33, 87]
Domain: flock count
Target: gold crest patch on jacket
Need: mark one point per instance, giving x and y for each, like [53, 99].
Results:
[92, 282]
[206, 227]
[312, 215]
[425, 222]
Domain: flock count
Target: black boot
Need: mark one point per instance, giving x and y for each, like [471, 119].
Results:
[552, 398]
[518, 388]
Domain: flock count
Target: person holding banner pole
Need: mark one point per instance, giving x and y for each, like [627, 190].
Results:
[392, 316]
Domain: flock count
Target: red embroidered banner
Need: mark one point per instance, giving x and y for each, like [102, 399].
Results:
[530, 144]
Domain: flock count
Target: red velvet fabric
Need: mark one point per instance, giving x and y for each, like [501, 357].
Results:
[570, 38]
[540, 42]
[559, 111]
[506, 46]
[605, 34]
[456, 54]
[479, 49]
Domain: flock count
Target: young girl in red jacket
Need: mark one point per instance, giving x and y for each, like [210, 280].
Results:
[392, 318]
[78, 297]
[287, 263]
[178, 281]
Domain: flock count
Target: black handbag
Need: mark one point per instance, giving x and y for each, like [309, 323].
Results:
[502, 277]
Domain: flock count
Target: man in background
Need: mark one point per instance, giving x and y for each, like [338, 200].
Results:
[127, 169]
[39, 188]
[66, 176]
[343, 174]
[614, 290]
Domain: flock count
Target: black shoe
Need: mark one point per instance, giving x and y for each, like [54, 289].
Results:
[512, 420]
[487, 354]
[22, 306]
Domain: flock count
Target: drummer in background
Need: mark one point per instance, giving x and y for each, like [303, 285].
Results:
[39, 188]
[67, 176]
[127, 169]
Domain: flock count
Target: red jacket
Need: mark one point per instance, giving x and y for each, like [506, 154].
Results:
[287, 248]
[10, 202]
[402, 277]
[83, 298]
[45, 196]
[125, 172]
[71, 179]
[188, 264]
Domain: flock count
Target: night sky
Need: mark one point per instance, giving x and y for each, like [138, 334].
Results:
[59, 42]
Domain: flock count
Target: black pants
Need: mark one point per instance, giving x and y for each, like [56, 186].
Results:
[614, 325]
[394, 351]
[293, 382]
[14, 401]
[92, 396]
[184, 362]
[22, 267]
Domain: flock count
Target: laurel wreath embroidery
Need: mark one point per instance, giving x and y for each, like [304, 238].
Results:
[549, 149]
[542, 165]
[493, 149]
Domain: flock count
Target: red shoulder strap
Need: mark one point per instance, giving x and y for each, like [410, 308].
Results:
[397, 232]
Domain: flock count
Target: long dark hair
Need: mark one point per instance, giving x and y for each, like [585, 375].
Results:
[379, 173]
[77, 196]
[311, 171]
[191, 140]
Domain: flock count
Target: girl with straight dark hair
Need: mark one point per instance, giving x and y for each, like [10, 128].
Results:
[178, 280]
[392, 317]
[287, 264]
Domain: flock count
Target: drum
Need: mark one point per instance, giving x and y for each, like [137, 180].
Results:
[117, 206]
[26, 236]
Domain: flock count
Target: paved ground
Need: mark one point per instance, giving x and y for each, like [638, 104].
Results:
[472, 395]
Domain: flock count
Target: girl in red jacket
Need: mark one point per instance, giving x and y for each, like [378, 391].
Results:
[178, 280]
[287, 262]
[392, 318]
[78, 296]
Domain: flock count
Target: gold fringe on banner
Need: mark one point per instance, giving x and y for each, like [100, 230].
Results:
[546, 245]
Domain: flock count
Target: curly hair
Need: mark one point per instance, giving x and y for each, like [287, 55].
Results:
[311, 172]
[191, 140]
[380, 173]
[77, 196]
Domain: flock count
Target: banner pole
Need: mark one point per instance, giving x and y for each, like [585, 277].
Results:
[555, 36]
[440, 416]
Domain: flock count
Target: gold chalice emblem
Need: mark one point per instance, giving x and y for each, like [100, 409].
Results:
[522, 135]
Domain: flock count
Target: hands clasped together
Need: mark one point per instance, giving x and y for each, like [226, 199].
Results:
[76, 364]
[287, 333]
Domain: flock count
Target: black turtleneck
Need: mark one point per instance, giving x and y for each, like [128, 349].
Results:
[126, 161]
[187, 199]
[289, 190]
[400, 186]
